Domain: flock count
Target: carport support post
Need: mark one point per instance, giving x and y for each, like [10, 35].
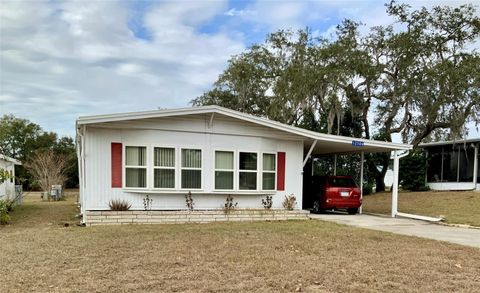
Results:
[361, 182]
[396, 165]
[475, 167]
[426, 171]
[335, 165]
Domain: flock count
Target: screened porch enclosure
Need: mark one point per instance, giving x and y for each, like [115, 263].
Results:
[451, 163]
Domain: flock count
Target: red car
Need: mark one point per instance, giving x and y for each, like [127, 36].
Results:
[336, 192]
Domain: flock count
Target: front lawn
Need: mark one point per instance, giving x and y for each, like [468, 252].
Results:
[456, 207]
[39, 254]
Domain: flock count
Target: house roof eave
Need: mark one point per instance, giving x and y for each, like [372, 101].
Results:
[387, 146]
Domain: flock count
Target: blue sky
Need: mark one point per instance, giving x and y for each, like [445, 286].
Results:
[61, 60]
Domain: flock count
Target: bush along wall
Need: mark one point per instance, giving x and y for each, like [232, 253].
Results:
[5, 207]
[412, 171]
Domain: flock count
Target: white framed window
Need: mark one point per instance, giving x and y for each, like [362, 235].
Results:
[269, 171]
[224, 170]
[135, 166]
[191, 168]
[164, 167]
[247, 170]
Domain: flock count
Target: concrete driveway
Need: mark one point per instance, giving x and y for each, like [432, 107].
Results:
[458, 235]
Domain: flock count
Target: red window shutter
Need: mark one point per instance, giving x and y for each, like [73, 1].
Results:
[116, 164]
[281, 171]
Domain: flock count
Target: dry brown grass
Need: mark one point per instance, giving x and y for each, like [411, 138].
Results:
[315, 256]
[456, 207]
[35, 213]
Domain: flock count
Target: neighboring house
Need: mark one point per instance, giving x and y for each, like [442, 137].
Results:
[209, 151]
[453, 165]
[7, 188]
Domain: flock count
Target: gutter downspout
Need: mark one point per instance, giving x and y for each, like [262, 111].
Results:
[361, 181]
[396, 166]
[80, 156]
[83, 174]
[475, 168]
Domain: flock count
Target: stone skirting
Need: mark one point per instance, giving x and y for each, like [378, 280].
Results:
[178, 217]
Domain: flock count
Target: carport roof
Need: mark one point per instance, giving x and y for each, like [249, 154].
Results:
[326, 143]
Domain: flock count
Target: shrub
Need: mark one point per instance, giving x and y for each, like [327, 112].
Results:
[10, 204]
[4, 216]
[229, 205]
[189, 201]
[412, 172]
[4, 175]
[289, 202]
[147, 203]
[119, 205]
[367, 188]
[267, 202]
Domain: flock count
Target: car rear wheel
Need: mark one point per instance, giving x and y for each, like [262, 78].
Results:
[352, 211]
[316, 207]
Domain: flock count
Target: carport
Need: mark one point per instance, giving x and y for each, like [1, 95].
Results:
[324, 144]
[315, 143]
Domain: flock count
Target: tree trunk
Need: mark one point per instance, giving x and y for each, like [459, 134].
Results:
[380, 184]
[382, 161]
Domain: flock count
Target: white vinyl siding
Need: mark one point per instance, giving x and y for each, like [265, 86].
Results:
[248, 170]
[269, 171]
[135, 167]
[224, 170]
[164, 167]
[191, 169]
[97, 190]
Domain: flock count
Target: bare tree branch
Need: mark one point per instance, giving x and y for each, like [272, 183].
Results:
[48, 169]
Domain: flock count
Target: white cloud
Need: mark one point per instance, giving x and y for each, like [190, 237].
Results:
[291, 14]
[6, 98]
[286, 14]
[240, 12]
[62, 60]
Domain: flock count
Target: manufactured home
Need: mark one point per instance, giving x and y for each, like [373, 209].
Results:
[7, 187]
[453, 165]
[157, 157]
